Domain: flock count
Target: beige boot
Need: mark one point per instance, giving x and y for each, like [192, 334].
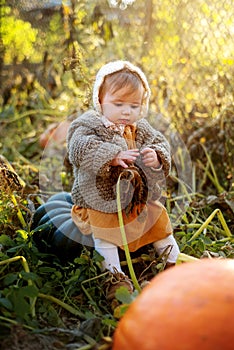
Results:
[114, 281]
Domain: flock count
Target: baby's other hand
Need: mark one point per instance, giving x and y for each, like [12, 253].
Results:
[150, 158]
[124, 158]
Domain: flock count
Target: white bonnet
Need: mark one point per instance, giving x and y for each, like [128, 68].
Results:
[113, 67]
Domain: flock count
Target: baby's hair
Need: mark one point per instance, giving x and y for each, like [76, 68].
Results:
[119, 80]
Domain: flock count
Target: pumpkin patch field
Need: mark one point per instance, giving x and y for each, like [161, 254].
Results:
[53, 291]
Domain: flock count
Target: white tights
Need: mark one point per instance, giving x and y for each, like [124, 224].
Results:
[109, 251]
[170, 242]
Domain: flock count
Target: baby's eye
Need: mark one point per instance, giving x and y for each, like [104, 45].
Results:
[135, 106]
[117, 104]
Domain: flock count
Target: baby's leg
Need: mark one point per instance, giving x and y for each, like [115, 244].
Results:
[162, 244]
[109, 251]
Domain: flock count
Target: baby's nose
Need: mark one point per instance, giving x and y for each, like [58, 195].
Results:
[126, 109]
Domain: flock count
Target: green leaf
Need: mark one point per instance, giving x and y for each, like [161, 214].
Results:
[81, 261]
[74, 278]
[97, 257]
[123, 295]
[28, 276]
[29, 291]
[206, 240]
[109, 322]
[201, 245]
[22, 307]
[3, 256]
[46, 269]
[16, 248]
[10, 278]
[6, 303]
[23, 234]
[120, 310]
[6, 241]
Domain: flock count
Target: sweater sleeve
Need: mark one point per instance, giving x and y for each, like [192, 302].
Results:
[147, 136]
[86, 148]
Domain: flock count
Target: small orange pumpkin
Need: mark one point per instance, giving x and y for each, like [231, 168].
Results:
[187, 307]
[55, 133]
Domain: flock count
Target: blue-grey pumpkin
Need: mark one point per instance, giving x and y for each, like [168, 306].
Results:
[54, 230]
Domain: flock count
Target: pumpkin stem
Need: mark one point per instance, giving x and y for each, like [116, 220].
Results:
[208, 220]
[124, 239]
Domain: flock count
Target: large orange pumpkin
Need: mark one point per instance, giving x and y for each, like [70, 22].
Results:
[187, 307]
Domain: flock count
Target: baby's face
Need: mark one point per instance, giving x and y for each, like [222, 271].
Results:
[122, 108]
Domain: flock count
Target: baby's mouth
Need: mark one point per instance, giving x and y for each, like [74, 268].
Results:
[124, 121]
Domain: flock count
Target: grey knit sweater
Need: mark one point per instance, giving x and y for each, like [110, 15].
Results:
[91, 148]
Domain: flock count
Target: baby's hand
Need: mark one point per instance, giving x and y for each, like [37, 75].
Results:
[124, 158]
[150, 158]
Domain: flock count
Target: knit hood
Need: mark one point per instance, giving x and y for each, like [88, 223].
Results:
[113, 67]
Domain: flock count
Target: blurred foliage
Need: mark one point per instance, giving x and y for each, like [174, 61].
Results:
[50, 52]
[184, 47]
[18, 37]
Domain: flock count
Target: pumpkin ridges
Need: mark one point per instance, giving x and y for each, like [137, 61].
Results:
[54, 230]
[178, 310]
